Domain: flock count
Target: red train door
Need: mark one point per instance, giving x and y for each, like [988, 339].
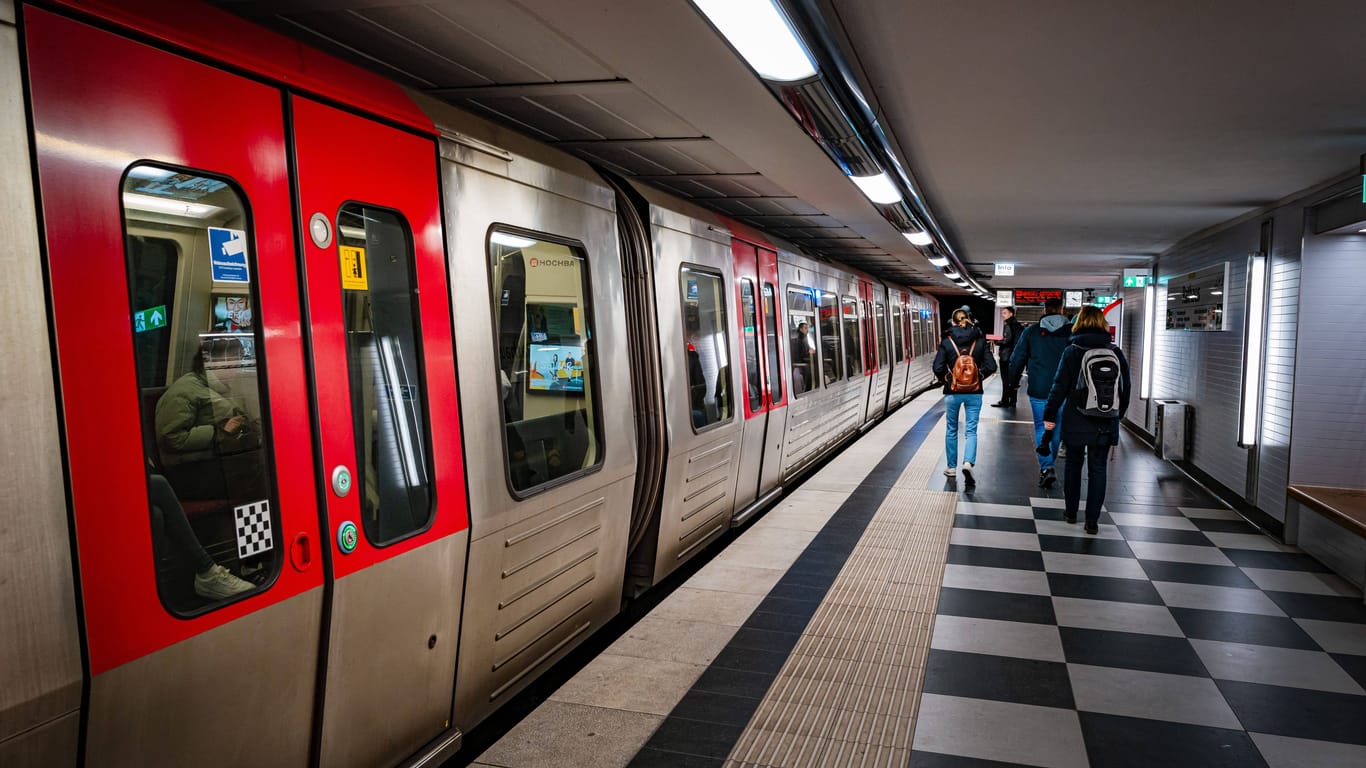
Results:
[388, 431]
[753, 386]
[175, 298]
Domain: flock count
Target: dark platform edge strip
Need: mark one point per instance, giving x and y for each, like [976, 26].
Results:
[707, 722]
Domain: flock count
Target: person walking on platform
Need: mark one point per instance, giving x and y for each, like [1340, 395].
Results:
[963, 363]
[1038, 351]
[1010, 333]
[1091, 388]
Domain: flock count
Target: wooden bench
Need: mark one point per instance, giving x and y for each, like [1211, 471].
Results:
[1344, 506]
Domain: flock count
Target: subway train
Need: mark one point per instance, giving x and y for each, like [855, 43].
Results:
[336, 415]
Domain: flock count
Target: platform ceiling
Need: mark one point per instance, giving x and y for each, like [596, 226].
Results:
[1069, 137]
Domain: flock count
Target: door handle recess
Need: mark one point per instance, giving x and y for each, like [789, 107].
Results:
[301, 552]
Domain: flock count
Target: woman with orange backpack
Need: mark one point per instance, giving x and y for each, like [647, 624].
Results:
[963, 363]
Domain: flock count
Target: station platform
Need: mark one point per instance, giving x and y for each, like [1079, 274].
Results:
[883, 615]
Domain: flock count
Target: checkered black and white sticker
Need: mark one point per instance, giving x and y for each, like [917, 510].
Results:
[253, 528]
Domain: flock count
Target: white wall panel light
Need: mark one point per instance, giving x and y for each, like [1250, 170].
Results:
[878, 188]
[1145, 386]
[1252, 350]
[762, 36]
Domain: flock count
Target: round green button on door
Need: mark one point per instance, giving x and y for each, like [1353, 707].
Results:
[347, 537]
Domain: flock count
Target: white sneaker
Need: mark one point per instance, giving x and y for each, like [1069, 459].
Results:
[219, 583]
[950, 472]
[967, 473]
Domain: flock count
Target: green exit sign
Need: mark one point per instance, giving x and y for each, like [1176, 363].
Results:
[1137, 281]
[149, 319]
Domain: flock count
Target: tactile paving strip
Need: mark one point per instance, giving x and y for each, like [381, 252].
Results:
[847, 695]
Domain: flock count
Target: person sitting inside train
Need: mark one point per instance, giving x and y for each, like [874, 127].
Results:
[211, 580]
[196, 426]
[801, 358]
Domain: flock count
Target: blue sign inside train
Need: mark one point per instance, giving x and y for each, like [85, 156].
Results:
[228, 255]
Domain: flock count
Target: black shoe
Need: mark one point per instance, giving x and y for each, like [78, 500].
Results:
[999, 405]
[1069, 519]
[1092, 529]
[1043, 473]
[968, 480]
[1049, 479]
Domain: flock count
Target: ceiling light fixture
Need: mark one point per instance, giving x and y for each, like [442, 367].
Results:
[921, 238]
[951, 274]
[762, 36]
[878, 188]
[169, 206]
[511, 241]
[939, 261]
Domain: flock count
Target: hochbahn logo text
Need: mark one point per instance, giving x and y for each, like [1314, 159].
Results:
[536, 262]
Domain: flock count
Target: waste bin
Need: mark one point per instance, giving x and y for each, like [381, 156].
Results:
[1174, 431]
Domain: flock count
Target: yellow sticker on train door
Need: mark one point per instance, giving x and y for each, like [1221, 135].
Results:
[353, 269]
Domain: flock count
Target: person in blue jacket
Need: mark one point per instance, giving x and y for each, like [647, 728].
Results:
[1039, 349]
[1088, 438]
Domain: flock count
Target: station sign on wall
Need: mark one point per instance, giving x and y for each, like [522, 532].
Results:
[1005, 270]
[1005, 298]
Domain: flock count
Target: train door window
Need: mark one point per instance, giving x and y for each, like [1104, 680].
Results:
[206, 440]
[547, 363]
[880, 331]
[775, 367]
[913, 336]
[828, 307]
[383, 357]
[853, 362]
[705, 346]
[749, 322]
[898, 352]
[801, 321]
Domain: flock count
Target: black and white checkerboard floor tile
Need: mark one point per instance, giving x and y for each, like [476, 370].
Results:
[1178, 636]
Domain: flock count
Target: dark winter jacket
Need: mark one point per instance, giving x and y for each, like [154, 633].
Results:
[1040, 348]
[1076, 428]
[965, 338]
[1010, 335]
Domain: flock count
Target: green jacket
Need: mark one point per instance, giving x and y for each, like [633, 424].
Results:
[189, 417]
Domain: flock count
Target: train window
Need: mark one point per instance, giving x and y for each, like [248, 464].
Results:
[206, 440]
[914, 338]
[705, 346]
[383, 358]
[749, 321]
[547, 362]
[849, 312]
[775, 367]
[880, 331]
[898, 351]
[801, 321]
[828, 305]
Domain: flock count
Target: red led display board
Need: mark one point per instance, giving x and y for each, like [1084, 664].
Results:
[1031, 298]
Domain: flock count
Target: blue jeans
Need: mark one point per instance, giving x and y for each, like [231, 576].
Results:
[973, 404]
[1037, 404]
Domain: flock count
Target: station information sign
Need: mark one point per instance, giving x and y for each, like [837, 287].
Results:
[1035, 298]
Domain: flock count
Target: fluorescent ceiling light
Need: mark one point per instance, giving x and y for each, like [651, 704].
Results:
[1216, 293]
[920, 238]
[939, 261]
[951, 274]
[879, 188]
[148, 172]
[169, 206]
[511, 241]
[760, 32]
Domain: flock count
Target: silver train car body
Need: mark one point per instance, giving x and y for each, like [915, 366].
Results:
[546, 563]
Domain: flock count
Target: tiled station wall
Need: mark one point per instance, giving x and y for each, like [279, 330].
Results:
[1314, 374]
[1204, 368]
[1330, 386]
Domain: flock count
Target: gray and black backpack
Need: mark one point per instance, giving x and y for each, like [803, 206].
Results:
[1096, 393]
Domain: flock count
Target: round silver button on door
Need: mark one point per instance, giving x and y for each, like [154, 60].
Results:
[341, 481]
[320, 229]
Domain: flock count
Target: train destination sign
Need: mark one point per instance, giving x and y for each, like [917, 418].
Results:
[1035, 298]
